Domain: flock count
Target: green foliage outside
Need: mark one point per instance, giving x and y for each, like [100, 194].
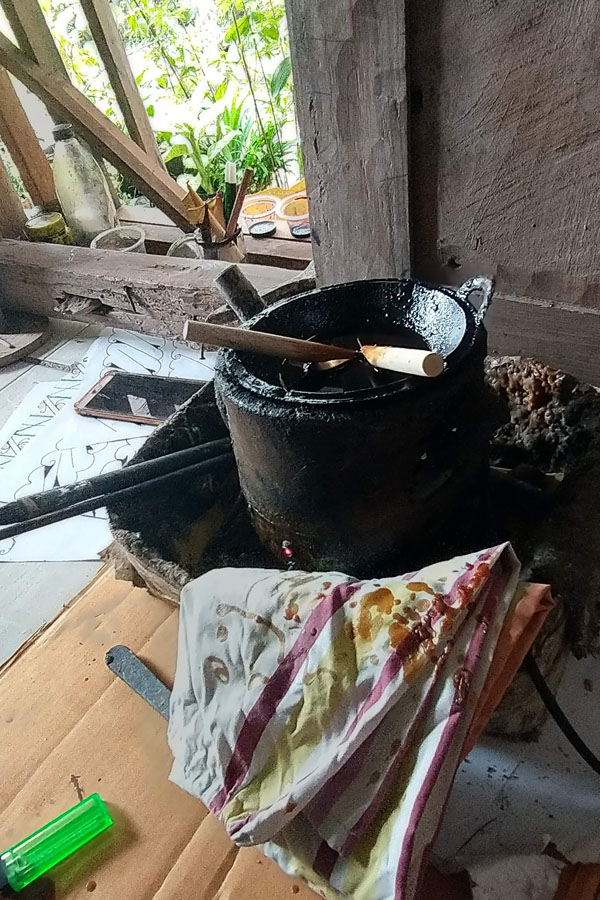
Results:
[215, 76]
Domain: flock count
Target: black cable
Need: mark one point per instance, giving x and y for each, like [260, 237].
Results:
[549, 700]
[50, 501]
[215, 465]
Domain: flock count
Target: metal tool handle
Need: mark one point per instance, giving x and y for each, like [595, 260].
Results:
[479, 284]
[136, 674]
[239, 294]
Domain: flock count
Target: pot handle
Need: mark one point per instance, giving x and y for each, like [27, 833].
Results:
[479, 284]
[239, 294]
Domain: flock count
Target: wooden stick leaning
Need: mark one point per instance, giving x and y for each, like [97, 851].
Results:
[396, 359]
[262, 342]
[238, 202]
[239, 293]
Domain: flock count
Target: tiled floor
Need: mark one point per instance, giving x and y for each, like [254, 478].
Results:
[32, 593]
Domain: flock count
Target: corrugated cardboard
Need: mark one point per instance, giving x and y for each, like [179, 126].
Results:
[70, 728]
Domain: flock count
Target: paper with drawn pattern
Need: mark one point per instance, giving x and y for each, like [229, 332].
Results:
[46, 444]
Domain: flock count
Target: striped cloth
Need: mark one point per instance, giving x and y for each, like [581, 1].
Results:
[324, 718]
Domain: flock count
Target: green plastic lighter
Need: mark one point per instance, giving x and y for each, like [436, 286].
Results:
[49, 845]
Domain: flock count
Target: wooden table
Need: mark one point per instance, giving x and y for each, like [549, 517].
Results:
[281, 250]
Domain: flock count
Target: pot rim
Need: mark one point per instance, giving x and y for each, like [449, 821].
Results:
[243, 377]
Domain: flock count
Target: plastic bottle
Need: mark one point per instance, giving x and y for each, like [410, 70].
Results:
[81, 187]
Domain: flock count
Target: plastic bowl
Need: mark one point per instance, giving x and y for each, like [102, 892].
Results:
[259, 209]
[294, 210]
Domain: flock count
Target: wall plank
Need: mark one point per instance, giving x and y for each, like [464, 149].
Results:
[505, 142]
[349, 70]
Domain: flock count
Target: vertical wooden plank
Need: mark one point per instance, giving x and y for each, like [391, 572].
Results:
[24, 147]
[12, 214]
[506, 152]
[114, 56]
[31, 31]
[349, 65]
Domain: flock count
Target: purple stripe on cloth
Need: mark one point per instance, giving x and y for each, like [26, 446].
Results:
[344, 777]
[390, 671]
[494, 590]
[276, 688]
[335, 786]
[411, 643]
[325, 860]
[359, 828]
[238, 825]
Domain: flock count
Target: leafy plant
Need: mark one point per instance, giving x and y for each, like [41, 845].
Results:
[227, 133]
[160, 26]
[216, 86]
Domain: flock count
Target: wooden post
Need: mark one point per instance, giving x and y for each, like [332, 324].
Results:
[114, 56]
[24, 147]
[12, 214]
[349, 66]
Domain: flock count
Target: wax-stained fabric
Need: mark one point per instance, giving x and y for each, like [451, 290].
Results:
[324, 718]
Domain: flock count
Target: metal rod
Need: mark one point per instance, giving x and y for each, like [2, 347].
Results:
[138, 473]
[208, 466]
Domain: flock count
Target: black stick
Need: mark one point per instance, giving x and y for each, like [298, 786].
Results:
[216, 465]
[50, 501]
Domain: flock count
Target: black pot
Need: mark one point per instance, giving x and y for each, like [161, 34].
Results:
[361, 479]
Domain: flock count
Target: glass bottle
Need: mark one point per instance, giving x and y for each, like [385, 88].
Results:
[81, 188]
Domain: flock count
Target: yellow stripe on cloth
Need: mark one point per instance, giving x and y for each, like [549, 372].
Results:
[323, 692]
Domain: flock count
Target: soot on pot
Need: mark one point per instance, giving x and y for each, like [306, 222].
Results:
[363, 476]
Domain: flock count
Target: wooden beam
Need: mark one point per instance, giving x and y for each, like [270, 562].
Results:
[36, 41]
[114, 56]
[12, 214]
[560, 336]
[22, 143]
[453, 265]
[146, 293]
[101, 134]
[32, 33]
[349, 65]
